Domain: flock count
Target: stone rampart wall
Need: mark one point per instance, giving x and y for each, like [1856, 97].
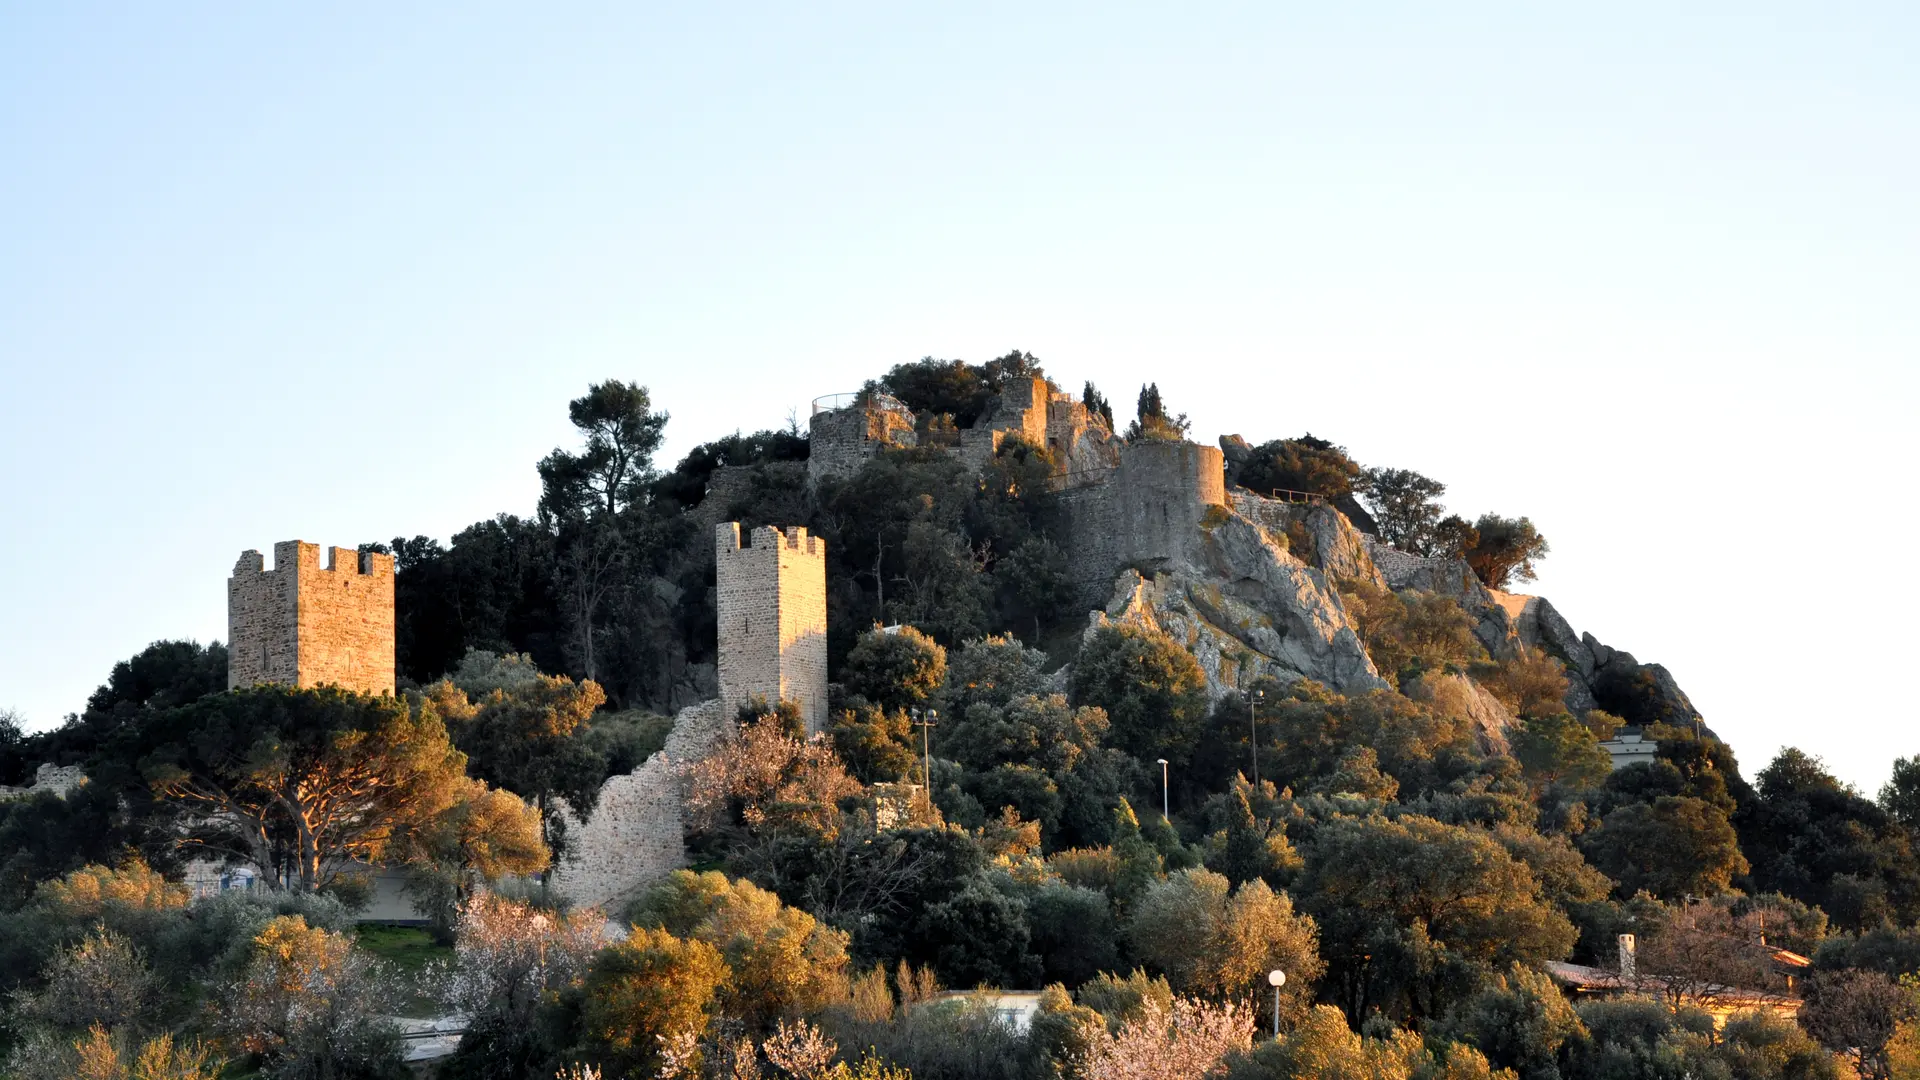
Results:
[636, 833]
[841, 440]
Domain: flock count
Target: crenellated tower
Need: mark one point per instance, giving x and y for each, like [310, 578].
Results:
[303, 624]
[771, 595]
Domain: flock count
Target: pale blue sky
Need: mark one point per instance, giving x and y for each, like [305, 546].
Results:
[1646, 276]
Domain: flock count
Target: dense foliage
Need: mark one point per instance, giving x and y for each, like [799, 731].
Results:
[1001, 798]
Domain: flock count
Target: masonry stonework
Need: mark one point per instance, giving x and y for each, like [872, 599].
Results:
[771, 595]
[771, 592]
[302, 624]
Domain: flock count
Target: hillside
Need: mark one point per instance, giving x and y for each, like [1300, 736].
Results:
[1112, 717]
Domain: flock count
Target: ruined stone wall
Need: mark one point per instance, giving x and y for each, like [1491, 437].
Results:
[1146, 512]
[771, 596]
[1166, 489]
[841, 440]
[636, 833]
[304, 624]
[1095, 548]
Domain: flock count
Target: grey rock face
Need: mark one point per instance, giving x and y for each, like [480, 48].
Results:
[1460, 697]
[1235, 448]
[1247, 608]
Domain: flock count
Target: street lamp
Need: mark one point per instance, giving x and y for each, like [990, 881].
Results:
[927, 722]
[1164, 816]
[1253, 733]
[1277, 979]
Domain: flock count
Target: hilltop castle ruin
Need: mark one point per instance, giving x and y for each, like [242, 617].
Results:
[302, 624]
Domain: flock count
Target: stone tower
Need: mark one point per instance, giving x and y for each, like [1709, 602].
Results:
[772, 598]
[304, 625]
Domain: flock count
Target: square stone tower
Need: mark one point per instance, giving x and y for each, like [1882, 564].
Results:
[772, 600]
[304, 625]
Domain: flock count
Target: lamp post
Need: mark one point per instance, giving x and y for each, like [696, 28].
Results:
[1253, 733]
[1164, 816]
[926, 721]
[1277, 979]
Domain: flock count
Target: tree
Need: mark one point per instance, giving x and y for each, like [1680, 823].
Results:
[298, 783]
[1153, 421]
[976, 934]
[1097, 404]
[1406, 506]
[613, 470]
[1702, 953]
[1857, 1013]
[1558, 749]
[877, 745]
[1813, 838]
[483, 836]
[531, 739]
[512, 955]
[1520, 1020]
[1072, 932]
[1305, 464]
[1406, 906]
[1221, 944]
[1900, 795]
[1311, 730]
[1153, 690]
[1324, 1047]
[1187, 1042]
[101, 981]
[650, 991]
[1412, 632]
[164, 675]
[763, 784]
[1529, 682]
[1039, 755]
[309, 1005]
[1674, 846]
[101, 1054]
[784, 962]
[1504, 550]
[895, 669]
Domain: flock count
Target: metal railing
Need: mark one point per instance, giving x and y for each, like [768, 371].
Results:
[835, 402]
[1287, 495]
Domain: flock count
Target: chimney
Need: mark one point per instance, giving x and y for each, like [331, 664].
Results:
[1626, 956]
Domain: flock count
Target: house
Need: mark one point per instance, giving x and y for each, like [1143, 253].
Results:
[1582, 983]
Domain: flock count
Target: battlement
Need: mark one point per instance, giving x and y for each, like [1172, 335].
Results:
[307, 624]
[729, 539]
[296, 553]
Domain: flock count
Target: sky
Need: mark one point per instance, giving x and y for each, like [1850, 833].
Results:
[1645, 275]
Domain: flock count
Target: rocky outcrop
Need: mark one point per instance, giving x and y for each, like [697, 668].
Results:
[1316, 534]
[1463, 699]
[1597, 676]
[1247, 608]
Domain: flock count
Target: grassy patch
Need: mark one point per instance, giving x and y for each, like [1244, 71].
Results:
[408, 948]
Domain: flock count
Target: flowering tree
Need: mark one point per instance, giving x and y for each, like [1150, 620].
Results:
[1190, 1041]
[511, 954]
[309, 1004]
